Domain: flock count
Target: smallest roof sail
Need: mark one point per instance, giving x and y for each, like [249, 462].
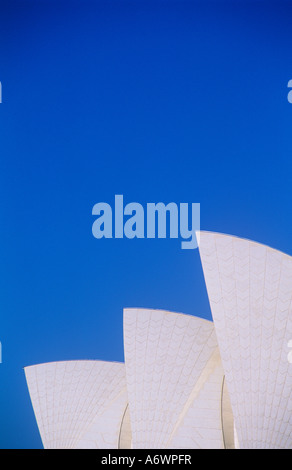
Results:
[78, 404]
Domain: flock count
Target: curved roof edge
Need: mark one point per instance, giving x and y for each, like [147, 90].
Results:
[72, 360]
[240, 238]
[158, 310]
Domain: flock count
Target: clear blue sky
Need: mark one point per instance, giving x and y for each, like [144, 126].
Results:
[159, 101]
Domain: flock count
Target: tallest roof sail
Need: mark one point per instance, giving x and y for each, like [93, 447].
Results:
[250, 292]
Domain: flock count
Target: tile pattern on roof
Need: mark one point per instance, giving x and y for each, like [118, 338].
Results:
[250, 291]
[78, 403]
[165, 355]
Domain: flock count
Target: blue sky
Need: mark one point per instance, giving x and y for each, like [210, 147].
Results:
[158, 101]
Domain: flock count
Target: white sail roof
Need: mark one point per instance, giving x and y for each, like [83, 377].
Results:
[172, 370]
[78, 404]
[174, 382]
[250, 292]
